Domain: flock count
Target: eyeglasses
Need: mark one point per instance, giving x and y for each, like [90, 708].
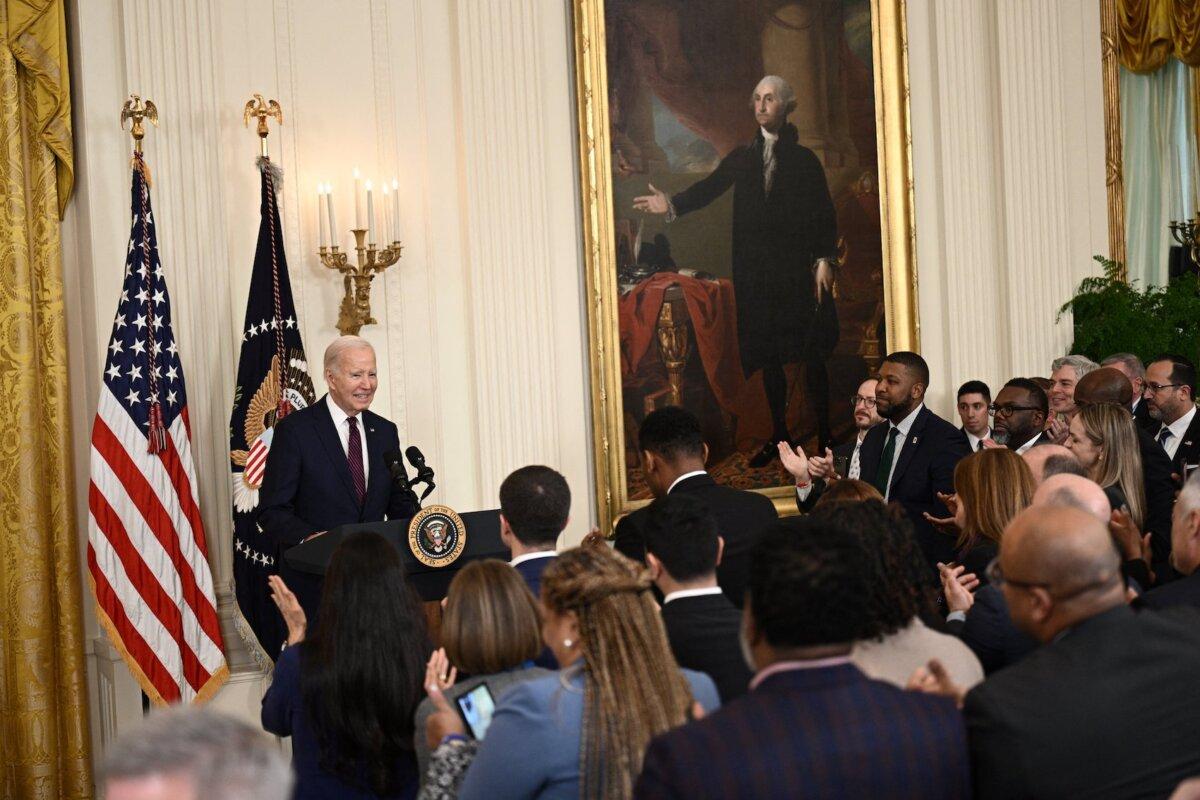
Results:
[997, 578]
[1009, 410]
[868, 402]
[1158, 387]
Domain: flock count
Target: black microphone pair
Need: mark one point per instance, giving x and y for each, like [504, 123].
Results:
[395, 465]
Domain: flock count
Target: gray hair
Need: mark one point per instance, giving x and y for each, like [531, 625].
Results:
[341, 345]
[782, 88]
[221, 756]
[1081, 364]
[1189, 497]
[1131, 362]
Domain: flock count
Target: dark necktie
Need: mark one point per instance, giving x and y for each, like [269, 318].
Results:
[885, 462]
[979, 445]
[1163, 436]
[354, 459]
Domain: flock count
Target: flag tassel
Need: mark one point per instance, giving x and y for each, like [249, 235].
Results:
[157, 435]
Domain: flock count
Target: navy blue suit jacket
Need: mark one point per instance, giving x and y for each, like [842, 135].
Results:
[307, 487]
[532, 570]
[990, 633]
[924, 467]
[824, 732]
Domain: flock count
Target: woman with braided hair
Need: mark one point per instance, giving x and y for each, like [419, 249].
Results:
[581, 733]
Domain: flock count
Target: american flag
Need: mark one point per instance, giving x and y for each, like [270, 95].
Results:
[146, 551]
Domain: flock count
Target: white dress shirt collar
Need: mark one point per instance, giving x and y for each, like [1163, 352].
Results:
[339, 416]
[1025, 447]
[906, 424]
[1178, 430]
[682, 593]
[684, 477]
[521, 559]
[975, 440]
[768, 136]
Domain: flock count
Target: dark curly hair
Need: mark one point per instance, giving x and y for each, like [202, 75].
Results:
[809, 585]
[901, 583]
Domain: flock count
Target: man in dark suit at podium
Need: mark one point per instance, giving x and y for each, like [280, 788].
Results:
[912, 456]
[535, 502]
[325, 467]
[673, 456]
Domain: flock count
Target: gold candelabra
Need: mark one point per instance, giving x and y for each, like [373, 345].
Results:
[1187, 233]
[355, 310]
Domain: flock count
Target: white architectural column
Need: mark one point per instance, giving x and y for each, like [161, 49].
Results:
[1008, 158]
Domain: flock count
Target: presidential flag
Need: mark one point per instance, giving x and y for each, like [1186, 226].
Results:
[272, 381]
[146, 552]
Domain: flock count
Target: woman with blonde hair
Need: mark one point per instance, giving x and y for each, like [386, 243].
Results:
[491, 630]
[1103, 437]
[581, 733]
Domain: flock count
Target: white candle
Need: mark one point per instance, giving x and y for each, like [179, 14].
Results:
[358, 209]
[395, 210]
[387, 215]
[322, 223]
[333, 228]
[370, 215]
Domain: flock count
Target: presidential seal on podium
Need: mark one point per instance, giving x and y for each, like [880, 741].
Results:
[437, 536]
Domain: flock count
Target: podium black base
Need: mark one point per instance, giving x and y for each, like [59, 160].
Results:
[483, 541]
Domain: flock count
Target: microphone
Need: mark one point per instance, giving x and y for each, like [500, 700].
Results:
[424, 471]
[395, 464]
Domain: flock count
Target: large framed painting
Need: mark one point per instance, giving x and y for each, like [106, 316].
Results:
[748, 223]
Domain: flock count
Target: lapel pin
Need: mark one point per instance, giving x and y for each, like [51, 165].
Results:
[915, 439]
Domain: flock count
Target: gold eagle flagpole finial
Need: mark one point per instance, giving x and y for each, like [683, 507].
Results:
[258, 107]
[139, 111]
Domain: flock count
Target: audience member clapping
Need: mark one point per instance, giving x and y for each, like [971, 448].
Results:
[1104, 439]
[583, 732]
[903, 596]
[346, 693]
[682, 552]
[190, 753]
[1019, 415]
[1105, 707]
[1185, 552]
[812, 725]
[491, 631]
[990, 488]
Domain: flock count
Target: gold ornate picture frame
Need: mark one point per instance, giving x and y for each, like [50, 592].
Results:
[893, 184]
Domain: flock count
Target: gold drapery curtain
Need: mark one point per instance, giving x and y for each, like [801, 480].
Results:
[1151, 31]
[44, 740]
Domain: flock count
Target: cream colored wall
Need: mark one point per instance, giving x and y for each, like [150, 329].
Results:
[482, 335]
[481, 338]
[1008, 161]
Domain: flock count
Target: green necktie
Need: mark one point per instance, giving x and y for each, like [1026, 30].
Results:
[885, 462]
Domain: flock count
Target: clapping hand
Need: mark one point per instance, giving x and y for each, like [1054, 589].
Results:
[958, 585]
[1058, 429]
[1130, 541]
[289, 608]
[933, 679]
[821, 467]
[796, 463]
[946, 524]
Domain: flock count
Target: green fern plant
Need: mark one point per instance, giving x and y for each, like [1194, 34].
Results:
[1113, 316]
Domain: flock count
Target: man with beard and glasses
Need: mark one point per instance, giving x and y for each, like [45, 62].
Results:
[1019, 414]
[813, 475]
